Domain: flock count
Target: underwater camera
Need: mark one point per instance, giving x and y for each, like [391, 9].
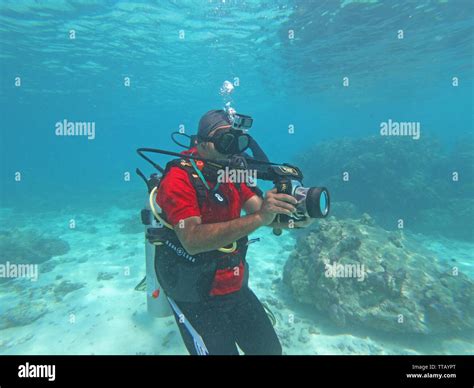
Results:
[313, 202]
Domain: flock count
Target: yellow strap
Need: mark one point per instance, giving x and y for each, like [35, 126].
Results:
[155, 213]
[231, 249]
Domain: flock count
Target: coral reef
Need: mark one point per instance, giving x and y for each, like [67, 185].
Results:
[48, 266]
[66, 287]
[402, 290]
[106, 275]
[398, 178]
[33, 302]
[22, 314]
[29, 247]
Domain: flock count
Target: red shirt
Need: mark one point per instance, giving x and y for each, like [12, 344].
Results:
[178, 199]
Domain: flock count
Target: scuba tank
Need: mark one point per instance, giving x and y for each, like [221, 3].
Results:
[156, 299]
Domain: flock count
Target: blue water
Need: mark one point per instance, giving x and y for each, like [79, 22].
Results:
[173, 81]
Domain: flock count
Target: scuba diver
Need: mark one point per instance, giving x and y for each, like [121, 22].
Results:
[200, 253]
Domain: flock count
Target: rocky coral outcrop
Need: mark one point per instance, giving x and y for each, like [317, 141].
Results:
[66, 287]
[397, 178]
[22, 314]
[359, 274]
[30, 247]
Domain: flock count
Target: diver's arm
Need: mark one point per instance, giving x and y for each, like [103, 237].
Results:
[253, 204]
[197, 237]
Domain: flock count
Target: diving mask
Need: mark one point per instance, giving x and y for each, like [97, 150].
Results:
[231, 142]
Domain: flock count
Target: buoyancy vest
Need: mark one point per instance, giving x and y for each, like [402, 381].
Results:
[185, 277]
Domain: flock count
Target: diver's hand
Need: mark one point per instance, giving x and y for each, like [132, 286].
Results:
[274, 204]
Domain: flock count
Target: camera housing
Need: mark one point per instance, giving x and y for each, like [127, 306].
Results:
[313, 202]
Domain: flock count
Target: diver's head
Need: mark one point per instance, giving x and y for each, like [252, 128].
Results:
[217, 138]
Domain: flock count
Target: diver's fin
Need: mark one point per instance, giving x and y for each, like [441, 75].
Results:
[141, 286]
[270, 314]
